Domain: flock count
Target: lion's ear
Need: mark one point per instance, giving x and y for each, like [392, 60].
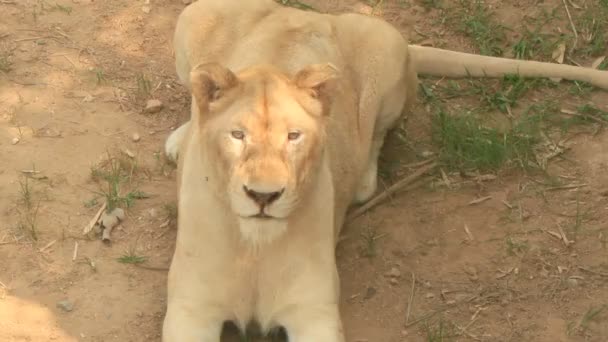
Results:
[209, 81]
[317, 79]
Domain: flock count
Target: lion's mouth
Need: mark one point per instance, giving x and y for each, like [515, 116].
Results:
[262, 215]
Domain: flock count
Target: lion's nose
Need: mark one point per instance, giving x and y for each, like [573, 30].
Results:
[263, 198]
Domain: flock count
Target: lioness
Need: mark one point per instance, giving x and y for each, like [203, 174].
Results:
[289, 112]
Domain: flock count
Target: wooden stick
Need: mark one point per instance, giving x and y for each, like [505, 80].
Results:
[48, 245]
[75, 254]
[390, 191]
[94, 220]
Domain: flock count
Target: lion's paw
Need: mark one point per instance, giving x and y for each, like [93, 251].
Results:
[174, 142]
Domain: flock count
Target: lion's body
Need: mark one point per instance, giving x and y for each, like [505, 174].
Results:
[280, 272]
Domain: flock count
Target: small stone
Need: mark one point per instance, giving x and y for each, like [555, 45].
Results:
[427, 154]
[145, 9]
[429, 295]
[572, 282]
[129, 153]
[394, 281]
[152, 213]
[135, 137]
[472, 272]
[153, 106]
[15, 141]
[394, 273]
[65, 305]
[369, 293]
[111, 220]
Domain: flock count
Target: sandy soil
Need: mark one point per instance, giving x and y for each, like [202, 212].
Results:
[77, 76]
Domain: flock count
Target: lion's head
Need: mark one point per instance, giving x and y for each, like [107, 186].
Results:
[263, 135]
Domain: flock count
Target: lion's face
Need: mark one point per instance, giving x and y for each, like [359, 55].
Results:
[264, 134]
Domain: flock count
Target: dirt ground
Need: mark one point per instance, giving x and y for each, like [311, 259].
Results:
[525, 263]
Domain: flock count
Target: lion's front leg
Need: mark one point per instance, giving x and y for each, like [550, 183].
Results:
[184, 323]
[314, 324]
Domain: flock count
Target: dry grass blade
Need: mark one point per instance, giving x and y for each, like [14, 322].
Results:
[390, 191]
[411, 301]
[479, 200]
[468, 232]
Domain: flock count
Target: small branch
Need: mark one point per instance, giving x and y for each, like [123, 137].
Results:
[390, 191]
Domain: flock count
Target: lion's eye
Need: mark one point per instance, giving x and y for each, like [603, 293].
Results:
[293, 135]
[239, 135]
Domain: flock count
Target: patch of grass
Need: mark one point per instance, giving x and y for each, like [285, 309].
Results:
[130, 257]
[29, 212]
[170, 210]
[441, 332]
[502, 96]
[583, 324]
[144, 86]
[62, 8]
[100, 76]
[369, 237]
[476, 21]
[512, 88]
[6, 64]
[603, 65]
[465, 143]
[534, 44]
[593, 26]
[581, 89]
[25, 192]
[431, 4]
[114, 172]
[515, 247]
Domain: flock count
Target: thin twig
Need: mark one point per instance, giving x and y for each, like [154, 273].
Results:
[572, 25]
[390, 191]
[152, 268]
[75, 254]
[566, 187]
[592, 271]
[409, 304]
[47, 246]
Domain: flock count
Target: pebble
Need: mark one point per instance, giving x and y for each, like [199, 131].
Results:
[15, 141]
[145, 9]
[394, 273]
[472, 272]
[369, 293]
[135, 137]
[572, 282]
[153, 106]
[65, 305]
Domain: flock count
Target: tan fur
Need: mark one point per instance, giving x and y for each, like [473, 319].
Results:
[261, 74]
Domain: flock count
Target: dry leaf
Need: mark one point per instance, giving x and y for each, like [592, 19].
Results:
[596, 63]
[558, 53]
[558, 56]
